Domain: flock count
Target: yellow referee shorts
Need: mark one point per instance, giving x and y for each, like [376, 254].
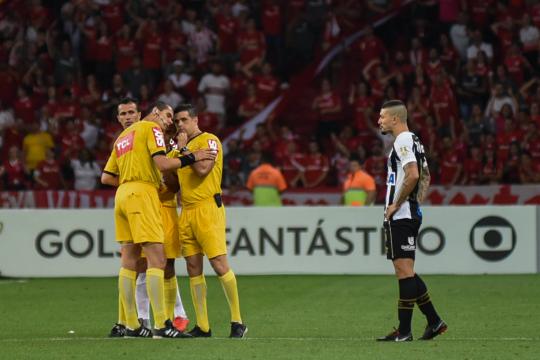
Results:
[202, 229]
[137, 216]
[171, 244]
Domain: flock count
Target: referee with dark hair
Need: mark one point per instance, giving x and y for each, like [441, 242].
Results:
[407, 184]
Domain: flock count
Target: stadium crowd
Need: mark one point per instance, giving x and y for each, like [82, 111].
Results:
[468, 71]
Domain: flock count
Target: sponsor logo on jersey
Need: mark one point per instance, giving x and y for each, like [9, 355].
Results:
[124, 144]
[391, 180]
[403, 151]
[213, 144]
[158, 136]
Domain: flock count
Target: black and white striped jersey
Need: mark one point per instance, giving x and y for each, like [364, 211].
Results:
[407, 148]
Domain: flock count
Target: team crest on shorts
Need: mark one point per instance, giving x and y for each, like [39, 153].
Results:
[411, 246]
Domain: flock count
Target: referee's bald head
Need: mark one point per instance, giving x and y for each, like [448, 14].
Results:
[396, 108]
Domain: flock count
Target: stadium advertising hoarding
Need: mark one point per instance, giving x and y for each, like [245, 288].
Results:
[288, 240]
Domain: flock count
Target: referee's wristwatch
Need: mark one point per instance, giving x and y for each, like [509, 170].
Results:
[184, 149]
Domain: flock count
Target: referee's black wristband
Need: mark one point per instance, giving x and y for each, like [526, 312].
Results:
[187, 160]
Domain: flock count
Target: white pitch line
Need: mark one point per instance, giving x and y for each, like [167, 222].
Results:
[9, 282]
[299, 339]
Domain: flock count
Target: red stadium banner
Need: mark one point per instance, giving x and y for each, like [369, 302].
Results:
[438, 195]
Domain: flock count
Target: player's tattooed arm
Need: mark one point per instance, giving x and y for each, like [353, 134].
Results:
[409, 182]
[423, 184]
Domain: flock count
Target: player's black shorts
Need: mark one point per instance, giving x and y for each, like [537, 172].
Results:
[401, 238]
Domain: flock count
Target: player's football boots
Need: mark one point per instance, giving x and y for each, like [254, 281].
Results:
[170, 332]
[118, 330]
[238, 330]
[141, 331]
[197, 332]
[434, 330]
[396, 336]
[180, 323]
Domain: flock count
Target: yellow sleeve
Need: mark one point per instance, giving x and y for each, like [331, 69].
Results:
[112, 166]
[155, 141]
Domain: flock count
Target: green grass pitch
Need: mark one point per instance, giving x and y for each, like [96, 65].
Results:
[289, 317]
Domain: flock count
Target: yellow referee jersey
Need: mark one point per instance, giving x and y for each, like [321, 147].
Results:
[193, 187]
[167, 198]
[131, 159]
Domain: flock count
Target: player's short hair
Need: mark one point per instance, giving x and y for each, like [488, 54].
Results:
[128, 100]
[396, 108]
[186, 107]
[160, 105]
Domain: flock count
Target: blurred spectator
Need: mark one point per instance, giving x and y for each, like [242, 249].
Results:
[359, 187]
[64, 61]
[477, 126]
[201, 42]
[444, 106]
[182, 81]
[239, 82]
[266, 183]
[472, 167]
[477, 45]
[491, 168]
[207, 121]
[35, 146]
[516, 64]
[252, 159]
[471, 89]
[47, 174]
[232, 163]
[24, 107]
[498, 99]
[125, 49]
[91, 94]
[362, 104]
[451, 165]
[175, 41]
[300, 43]
[327, 105]
[90, 131]
[215, 87]
[152, 48]
[292, 166]
[169, 96]
[13, 171]
[111, 98]
[136, 77]
[251, 105]
[104, 55]
[85, 170]
[316, 166]
[510, 174]
[144, 99]
[6, 116]
[267, 84]
[227, 31]
[67, 107]
[272, 26]
[529, 172]
[529, 35]
[251, 46]
[70, 140]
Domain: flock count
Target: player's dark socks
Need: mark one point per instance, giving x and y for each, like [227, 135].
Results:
[424, 302]
[407, 298]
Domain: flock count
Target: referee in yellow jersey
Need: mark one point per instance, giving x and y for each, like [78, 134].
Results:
[202, 223]
[134, 166]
